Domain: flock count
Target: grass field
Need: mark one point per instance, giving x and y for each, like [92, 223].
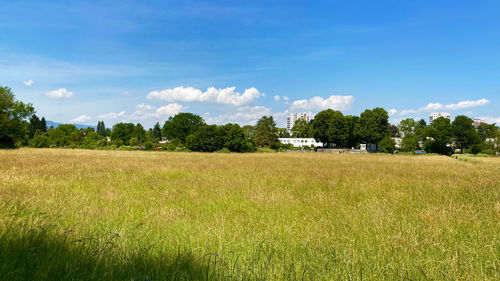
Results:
[118, 215]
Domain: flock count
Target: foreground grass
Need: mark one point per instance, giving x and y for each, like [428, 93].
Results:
[117, 215]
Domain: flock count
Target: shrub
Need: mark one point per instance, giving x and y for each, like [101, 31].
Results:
[475, 149]
[134, 141]
[387, 145]
[40, 141]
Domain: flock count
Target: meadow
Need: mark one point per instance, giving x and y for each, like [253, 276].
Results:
[136, 215]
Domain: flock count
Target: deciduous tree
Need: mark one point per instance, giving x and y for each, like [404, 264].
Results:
[182, 125]
[12, 116]
[373, 125]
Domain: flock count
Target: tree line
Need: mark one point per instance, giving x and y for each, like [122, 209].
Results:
[20, 126]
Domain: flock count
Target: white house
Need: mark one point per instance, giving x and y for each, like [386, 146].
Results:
[398, 142]
[301, 142]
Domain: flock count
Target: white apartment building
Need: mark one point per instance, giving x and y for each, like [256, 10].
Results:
[436, 115]
[290, 119]
[301, 142]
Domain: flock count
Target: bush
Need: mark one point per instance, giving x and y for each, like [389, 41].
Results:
[488, 151]
[265, 149]
[149, 145]
[134, 141]
[40, 141]
[433, 146]
[116, 142]
[224, 150]
[387, 145]
[475, 149]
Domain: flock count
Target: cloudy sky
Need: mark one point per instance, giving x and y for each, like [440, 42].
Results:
[235, 61]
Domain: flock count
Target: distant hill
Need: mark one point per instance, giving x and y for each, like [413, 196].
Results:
[79, 126]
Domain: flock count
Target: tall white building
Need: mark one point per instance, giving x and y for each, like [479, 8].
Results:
[290, 119]
[436, 115]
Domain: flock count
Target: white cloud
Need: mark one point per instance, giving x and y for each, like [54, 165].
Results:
[144, 111]
[29, 83]
[319, 103]
[143, 106]
[276, 98]
[59, 94]
[211, 95]
[392, 111]
[490, 119]
[113, 115]
[169, 110]
[242, 115]
[81, 119]
[453, 106]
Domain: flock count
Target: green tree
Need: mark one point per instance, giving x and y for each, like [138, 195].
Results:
[283, 133]
[249, 131]
[373, 125]
[410, 142]
[207, 138]
[387, 145]
[464, 133]
[35, 124]
[235, 139]
[182, 125]
[266, 133]
[123, 132]
[64, 135]
[139, 133]
[487, 131]
[407, 126]
[394, 131]
[40, 140]
[330, 127]
[353, 138]
[302, 129]
[338, 132]
[134, 141]
[421, 129]
[321, 126]
[92, 139]
[43, 125]
[101, 128]
[156, 132]
[13, 128]
[440, 132]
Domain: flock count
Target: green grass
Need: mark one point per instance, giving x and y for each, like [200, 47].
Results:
[119, 215]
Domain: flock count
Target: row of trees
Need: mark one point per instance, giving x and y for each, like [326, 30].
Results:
[444, 137]
[20, 126]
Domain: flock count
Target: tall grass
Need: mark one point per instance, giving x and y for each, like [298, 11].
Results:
[117, 215]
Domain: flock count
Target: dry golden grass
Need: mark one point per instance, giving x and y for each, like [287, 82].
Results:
[312, 215]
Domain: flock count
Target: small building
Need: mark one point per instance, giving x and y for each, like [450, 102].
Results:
[164, 140]
[368, 147]
[301, 142]
[398, 142]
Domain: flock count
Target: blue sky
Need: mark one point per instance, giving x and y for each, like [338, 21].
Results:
[234, 61]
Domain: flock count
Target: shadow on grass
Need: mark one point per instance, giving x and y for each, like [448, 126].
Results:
[32, 249]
